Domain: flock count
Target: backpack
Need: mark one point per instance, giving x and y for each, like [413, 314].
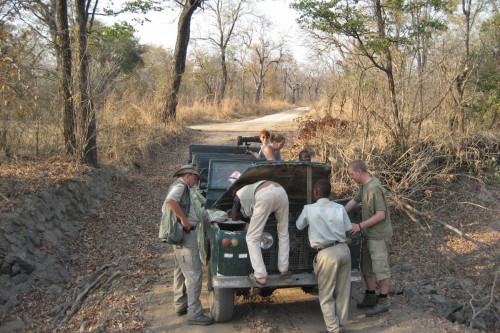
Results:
[173, 231]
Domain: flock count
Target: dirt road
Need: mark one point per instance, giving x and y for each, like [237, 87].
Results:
[287, 310]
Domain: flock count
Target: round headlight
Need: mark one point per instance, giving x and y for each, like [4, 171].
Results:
[266, 240]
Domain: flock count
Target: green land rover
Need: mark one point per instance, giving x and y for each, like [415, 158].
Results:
[226, 167]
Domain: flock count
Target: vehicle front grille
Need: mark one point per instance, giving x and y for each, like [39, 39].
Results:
[301, 254]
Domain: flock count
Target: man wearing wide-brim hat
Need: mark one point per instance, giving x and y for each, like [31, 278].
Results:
[187, 270]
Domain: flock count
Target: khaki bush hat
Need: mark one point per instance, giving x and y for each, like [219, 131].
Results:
[188, 168]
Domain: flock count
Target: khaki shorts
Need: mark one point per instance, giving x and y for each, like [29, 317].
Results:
[375, 258]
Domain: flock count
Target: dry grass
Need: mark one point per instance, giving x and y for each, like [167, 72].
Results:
[448, 176]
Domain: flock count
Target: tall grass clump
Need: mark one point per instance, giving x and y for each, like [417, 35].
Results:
[130, 129]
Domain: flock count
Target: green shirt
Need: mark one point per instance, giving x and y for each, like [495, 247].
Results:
[372, 199]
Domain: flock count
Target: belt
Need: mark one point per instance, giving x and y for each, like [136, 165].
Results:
[327, 246]
[266, 184]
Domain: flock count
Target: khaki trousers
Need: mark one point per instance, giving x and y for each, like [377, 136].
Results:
[333, 271]
[187, 276]
[268, 200]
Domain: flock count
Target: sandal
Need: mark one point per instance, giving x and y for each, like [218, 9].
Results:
[258, 281]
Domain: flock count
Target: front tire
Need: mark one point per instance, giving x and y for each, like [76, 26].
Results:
[221, 303]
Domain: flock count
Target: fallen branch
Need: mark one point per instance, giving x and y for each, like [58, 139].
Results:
[491, 299]
[98, 278]
[4, 197]
[482, 246]
[79, 299]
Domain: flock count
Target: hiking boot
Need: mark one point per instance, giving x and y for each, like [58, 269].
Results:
[182, 311]
[382, 306]
[369, 301]
[201, 320]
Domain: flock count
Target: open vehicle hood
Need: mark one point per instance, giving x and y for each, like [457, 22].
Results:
[297, 178]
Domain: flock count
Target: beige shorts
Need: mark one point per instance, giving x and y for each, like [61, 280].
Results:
[375, 258]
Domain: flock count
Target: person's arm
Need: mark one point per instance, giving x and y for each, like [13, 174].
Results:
[350, 205]
[235, 210]
[302, 221]
[176, 208]
[376, 218]
[347, 223]
[254, 154]
[268, 153]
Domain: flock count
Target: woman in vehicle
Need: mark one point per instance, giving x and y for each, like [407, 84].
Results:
[264, 138]
[272, 151]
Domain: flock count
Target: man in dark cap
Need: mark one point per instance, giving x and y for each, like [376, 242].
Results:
[305, 156]
[187, 270]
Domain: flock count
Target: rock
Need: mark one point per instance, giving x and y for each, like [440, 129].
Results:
[393, 290]
[479, 324]
[458, 317]
[12, 326]
[451, 308]
[468, 282]
[429, 289]
[4, 297]
[406, 267]
[20, 264]
[20, 278]
[54, 292]
[439, 298]
[411, 291]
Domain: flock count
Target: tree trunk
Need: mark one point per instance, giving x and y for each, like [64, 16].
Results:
[222, 90]
[258, 90]
[398, 131]
[461, 79]
[65, 79]
[83, 97]
[180, 54]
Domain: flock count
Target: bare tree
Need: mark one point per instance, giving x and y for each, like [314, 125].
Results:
[226, 14]
[293, 79]
[54, 16]
[265, 53]
[462, 78]
[180, 54]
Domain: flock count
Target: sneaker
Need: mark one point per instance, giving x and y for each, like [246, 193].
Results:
[369, 301]
[201, 320]
[182, 311]
[382, 306]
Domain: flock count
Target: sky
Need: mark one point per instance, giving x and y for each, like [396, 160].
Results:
[162, 28]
